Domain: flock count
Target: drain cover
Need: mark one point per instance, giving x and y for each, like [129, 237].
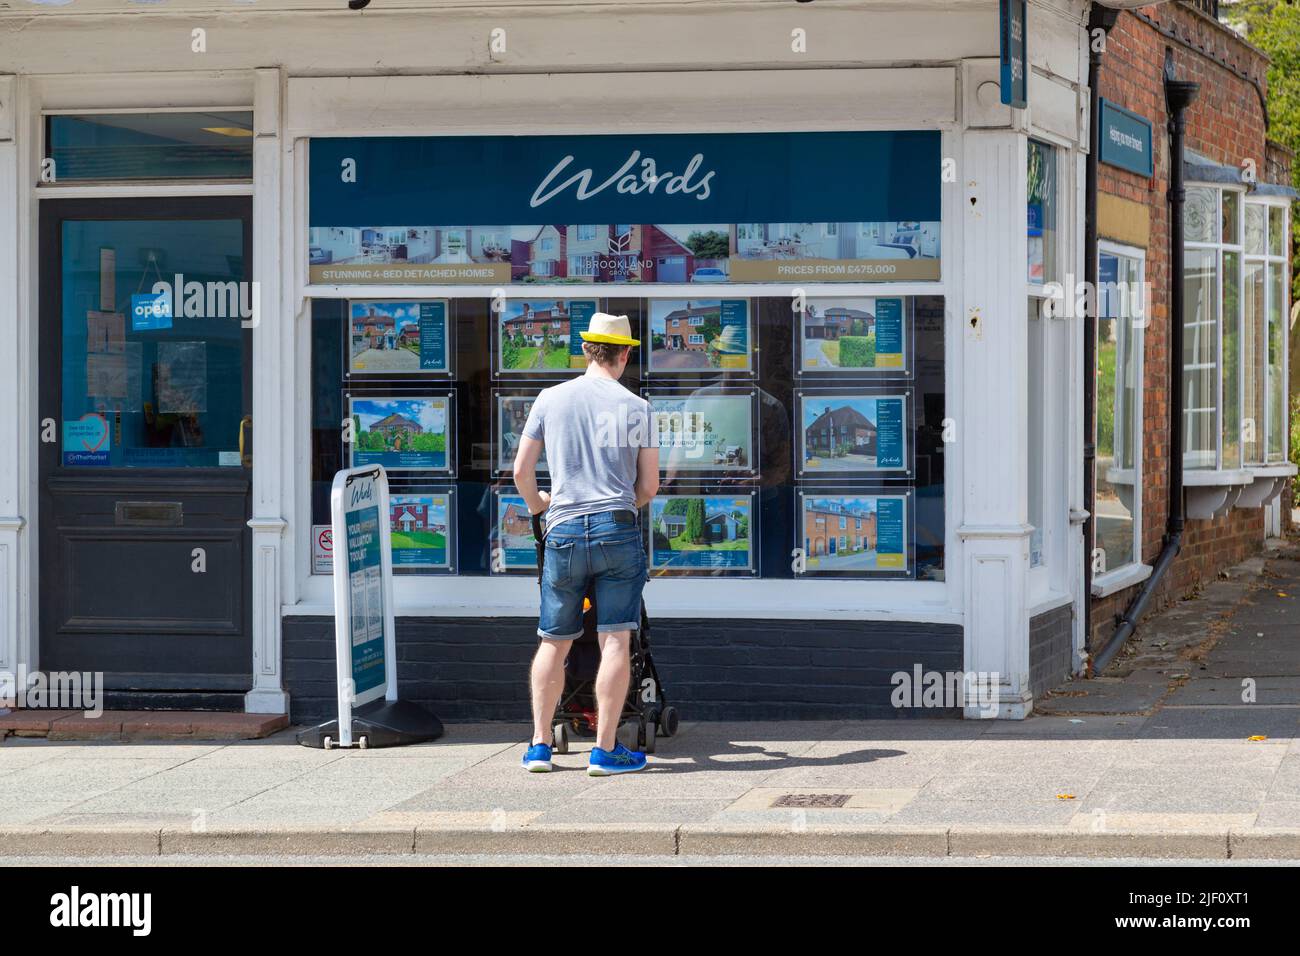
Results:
[823, 800]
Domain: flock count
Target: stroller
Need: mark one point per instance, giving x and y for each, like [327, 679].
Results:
[576, 714]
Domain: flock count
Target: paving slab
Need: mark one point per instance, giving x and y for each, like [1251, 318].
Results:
[1102, 696]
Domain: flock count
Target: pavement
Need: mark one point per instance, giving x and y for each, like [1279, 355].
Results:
[1189, 749]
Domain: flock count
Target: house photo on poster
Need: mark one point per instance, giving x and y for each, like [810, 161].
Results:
[512, 414]
[704, 431]
[514, 548]
[855, 534]
[543, 336]
[398, 338]
[421, 531]
[705, 534]
[855, 336]
[402, 434]
[853, 433]
[846, 206]
[700, 336]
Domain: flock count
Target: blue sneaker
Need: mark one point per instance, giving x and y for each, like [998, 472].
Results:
[537, 759]
[605, 763]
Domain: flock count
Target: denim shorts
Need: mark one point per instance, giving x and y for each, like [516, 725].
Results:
[585, 551]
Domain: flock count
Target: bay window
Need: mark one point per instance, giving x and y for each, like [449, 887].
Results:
[1234, 343]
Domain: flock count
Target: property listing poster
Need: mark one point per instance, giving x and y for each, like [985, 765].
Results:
[402, 434]
[703, 431]
[398, 338]
[704, 533]
[420, 531]
[512, 415]
[855, 535]
[543, 336]
[860, 335]
[665, 208]
[847, 434]
[697, 336]
[514, 546]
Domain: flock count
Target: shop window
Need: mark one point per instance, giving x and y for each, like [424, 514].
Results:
[1117, 520]
[1042, 217]
[109, 147]
[829, 418]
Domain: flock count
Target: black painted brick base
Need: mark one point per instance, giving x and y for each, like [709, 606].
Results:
[477, 669]
[1050, 648]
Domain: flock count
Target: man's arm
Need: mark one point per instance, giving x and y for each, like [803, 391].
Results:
[647, 474]
[526, 459]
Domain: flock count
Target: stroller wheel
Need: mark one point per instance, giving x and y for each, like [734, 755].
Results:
[649, 745]
[561, 733]
[668, 721]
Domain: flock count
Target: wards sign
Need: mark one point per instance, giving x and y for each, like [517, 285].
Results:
[628, 181]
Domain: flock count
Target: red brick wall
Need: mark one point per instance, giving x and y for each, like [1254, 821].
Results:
[1226, 123]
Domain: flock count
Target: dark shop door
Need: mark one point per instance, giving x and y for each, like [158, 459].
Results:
[145, 466]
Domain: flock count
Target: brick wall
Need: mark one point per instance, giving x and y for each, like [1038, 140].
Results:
[1051, 653]
[477, 668]
[1225, 123]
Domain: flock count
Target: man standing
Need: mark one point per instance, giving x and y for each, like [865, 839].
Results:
[604, 467]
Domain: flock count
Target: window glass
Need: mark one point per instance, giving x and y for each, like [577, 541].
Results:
[1231, 379]
[1256, 228]
[1201, 214]
[1277, 419]
[1042, 192]
[1200, 364]
[1276, 230]
[1253, 363]
[133, 146]
[1119, 398]
[147, 385]
[804, 413]
[1231, 229]
[1036, 458]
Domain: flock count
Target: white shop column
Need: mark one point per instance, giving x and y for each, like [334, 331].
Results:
[272, 361]
[17, 424]
[992, 415]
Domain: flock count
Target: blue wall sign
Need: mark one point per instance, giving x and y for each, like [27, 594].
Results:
[1126, 139]
[1014, 53]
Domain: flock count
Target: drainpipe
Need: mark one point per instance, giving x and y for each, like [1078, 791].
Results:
[1099, 18]
[1179, 95]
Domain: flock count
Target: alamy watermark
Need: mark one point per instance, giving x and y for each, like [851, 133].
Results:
[55, 690]
[968, 690]
[192, 299]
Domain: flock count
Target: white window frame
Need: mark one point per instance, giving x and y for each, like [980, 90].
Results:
[1230, 472]
[1136, 570]
[1268, 259]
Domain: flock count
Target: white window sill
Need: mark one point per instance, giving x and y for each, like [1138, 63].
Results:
[1210, 492]
[1119, 579]
[1216, 477]
[696, 598]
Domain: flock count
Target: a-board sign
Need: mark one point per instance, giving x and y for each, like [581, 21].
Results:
[363, 592]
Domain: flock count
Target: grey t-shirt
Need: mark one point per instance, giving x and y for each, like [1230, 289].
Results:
[592, 428]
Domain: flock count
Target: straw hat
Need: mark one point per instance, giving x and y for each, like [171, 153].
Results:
[612, 329]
